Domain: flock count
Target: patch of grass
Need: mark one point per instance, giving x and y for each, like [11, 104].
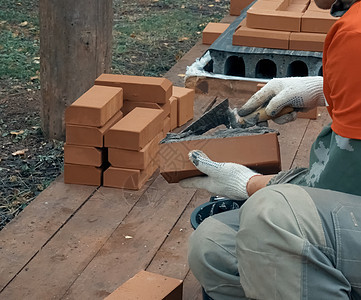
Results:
[149, 35]
[18, 56]
[150, 38]
[19, 41]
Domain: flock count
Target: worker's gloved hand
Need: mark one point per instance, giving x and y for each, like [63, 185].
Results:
[301, 93]
[223, 179]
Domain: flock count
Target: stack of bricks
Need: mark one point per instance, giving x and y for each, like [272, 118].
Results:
[284, 24]
[113, 130]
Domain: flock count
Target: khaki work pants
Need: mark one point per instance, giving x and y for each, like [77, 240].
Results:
[286, 242]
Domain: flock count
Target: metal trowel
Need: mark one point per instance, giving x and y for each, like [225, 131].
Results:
[222, 114]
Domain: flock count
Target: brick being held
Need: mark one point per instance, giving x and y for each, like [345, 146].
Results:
[246, 150]
[139, 88]
[95, 107]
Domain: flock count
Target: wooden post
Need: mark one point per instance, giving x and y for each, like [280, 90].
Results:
[75, 48]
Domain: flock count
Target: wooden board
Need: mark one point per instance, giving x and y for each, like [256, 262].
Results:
[148, 224]
[58, 264]
[171, 258]
[23, 238]
[313, 129]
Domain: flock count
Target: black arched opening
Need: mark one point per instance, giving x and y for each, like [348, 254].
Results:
[297, 68]
[234, 66]
[266, 68]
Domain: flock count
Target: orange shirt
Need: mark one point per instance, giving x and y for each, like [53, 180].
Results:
[342, 73]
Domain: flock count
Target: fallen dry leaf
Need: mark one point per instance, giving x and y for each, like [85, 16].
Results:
[184, 38]
[23, 24]
[20, 152]
[17, 132]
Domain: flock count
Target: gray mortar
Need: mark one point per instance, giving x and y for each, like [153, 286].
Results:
[226, 133]
[222, 51]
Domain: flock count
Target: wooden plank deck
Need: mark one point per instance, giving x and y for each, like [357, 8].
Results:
[79, 242]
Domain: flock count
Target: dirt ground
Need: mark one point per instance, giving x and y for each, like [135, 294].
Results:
[29, 162]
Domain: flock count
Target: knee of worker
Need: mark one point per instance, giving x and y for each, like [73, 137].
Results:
[205, 246]
[267, 222]
[200, 246]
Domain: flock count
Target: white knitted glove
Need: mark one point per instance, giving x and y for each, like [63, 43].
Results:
[302, 93]
[224, 179]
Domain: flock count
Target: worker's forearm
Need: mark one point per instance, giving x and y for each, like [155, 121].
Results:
[257, 182]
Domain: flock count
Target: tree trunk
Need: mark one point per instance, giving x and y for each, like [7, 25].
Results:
[75, 48]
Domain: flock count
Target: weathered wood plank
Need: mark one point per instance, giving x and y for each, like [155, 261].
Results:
[290, 138]
[171, 258]
[24, 236]
[313, 129]
[147, 225]
[58, 264]
[192, 290]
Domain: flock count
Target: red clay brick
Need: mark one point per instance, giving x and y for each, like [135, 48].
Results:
[135, 130]
[316, 22]
[259, 152]
[281, 20]
[84, 155]
[236, 6]
[306, 41]
[146, 285]
[212, 32]
[78, 174]
[130, 159]
[185, 104]
[89, 136]
[128, 106]
[139, 88]
[95, 107]
[131, 179]
[166, 126]
[166, 108]
[250, 37]
[173, 113]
